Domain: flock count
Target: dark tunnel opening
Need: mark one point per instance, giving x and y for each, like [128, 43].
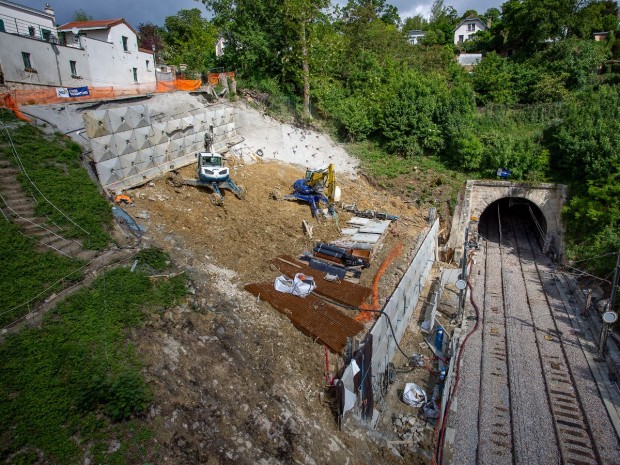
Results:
[518, 210]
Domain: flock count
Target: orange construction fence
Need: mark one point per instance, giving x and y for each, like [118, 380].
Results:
[8, 102]
[47, 95]
[214, 78]
[179, 84]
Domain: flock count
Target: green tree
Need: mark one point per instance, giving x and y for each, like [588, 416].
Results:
[190, 39]
[596, 16]
[150, 36]
[584, 145]
[416, 23]
[530, 23]
[81, 16]
[366, 11]
[442, 23]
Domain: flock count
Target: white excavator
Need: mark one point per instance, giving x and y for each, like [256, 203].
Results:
[212, 173]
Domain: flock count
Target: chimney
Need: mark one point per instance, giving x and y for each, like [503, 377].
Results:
[489, 23]
[48, 10]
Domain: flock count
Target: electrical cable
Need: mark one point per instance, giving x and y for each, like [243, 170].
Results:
[381, 312]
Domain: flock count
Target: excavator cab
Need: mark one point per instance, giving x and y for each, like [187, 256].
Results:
[317, 187]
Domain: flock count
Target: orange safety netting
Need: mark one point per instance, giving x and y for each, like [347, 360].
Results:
[179, 84]
[8, 102]
[396, 251]
[214, 78]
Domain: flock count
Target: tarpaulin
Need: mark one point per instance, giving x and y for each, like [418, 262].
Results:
[214, 78]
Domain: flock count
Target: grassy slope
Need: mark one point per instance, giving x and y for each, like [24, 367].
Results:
[76, 380]
[53, 163]
[25, 272]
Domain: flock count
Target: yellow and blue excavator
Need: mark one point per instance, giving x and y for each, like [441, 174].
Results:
[317, 188]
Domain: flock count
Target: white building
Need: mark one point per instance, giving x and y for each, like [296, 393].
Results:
[415, 37]
[467, 28]
[34, 53]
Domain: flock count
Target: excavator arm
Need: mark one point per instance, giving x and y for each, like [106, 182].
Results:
[318, 186]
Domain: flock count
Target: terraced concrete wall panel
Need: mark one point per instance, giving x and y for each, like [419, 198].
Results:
[139, 116]
[96, 124]
[118, 120]
[103, 148]
[402, 302]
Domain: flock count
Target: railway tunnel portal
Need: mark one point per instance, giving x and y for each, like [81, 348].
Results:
[538, 204]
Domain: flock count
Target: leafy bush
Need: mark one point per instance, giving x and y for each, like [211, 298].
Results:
[154, 257]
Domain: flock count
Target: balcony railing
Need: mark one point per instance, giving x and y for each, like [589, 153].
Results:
[27, 29]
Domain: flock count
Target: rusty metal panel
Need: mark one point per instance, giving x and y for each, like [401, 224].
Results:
[343, 292]
[311, 314]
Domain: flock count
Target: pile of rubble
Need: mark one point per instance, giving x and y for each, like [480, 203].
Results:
[410, 427]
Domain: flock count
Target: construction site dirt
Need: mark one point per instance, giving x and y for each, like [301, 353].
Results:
[234, 381]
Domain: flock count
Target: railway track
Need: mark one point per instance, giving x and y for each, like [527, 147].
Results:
[538, 401]
[495, 443]
[572, 428]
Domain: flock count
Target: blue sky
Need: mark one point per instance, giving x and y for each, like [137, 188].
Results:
[154, 11]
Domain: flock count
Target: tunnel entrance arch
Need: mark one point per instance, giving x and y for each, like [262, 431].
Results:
[522, 210]
[545, 200]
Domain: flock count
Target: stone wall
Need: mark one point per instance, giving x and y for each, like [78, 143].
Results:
[549, 198]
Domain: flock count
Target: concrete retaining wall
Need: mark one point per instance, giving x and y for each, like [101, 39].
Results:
[129, 147]
[402, 302]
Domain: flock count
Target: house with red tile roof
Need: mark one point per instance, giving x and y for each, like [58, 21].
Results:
[94, 54]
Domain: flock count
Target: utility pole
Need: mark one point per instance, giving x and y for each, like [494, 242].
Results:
[609, 317]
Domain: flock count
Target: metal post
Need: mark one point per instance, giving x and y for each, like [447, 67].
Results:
[602, 346]
[602, 342]
[614, 287]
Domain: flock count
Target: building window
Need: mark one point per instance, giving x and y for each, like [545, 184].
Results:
[46, 34]
[31, 31]
[135, 75]
[471, 27]
[125, 47]
[27, 62]
[73, 65]
[2, 26]
[461, 38]
[147, 65]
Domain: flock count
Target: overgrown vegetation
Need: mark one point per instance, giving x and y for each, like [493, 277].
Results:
[520, 108]
[25, 273]
[76, 383]
[53, 163]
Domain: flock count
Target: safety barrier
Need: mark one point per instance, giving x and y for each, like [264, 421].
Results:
[400, 306]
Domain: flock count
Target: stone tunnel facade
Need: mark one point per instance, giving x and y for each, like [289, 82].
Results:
[549, 198]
